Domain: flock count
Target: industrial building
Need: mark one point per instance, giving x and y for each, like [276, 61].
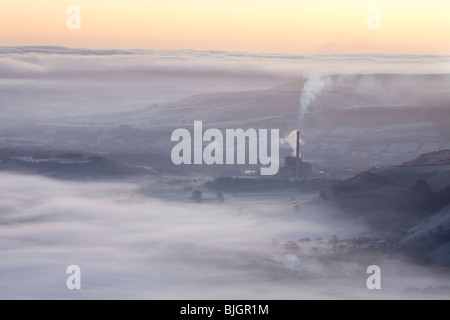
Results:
[295, 166]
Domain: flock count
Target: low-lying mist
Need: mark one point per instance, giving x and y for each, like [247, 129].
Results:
[49, 83]
[132, 246]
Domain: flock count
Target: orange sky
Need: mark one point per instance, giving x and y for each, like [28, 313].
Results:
[288, 26]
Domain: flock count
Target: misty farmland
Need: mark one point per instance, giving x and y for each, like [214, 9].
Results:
[87, 177]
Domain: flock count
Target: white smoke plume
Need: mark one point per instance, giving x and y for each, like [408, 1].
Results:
[314, 85]
[291, 141]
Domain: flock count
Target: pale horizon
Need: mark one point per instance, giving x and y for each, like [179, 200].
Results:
[275, 53]
[292, 27]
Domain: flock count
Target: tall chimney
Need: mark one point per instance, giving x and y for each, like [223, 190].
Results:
[298, 145]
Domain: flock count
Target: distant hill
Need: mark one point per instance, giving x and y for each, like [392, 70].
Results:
[438, 157]
[65, 165]
[354, 121]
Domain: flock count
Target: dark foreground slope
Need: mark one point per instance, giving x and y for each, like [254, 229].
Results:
[411, 201]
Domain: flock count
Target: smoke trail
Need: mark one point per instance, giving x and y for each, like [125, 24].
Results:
[312, 88]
